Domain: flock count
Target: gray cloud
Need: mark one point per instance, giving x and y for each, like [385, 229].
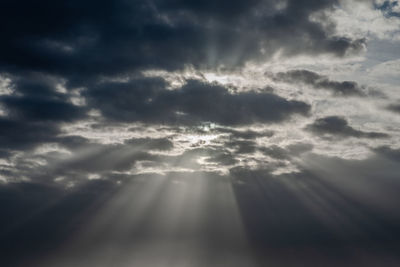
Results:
[345, 88]
[247, 134]
[81, 40]
[394, 108]
[242, 146]
[21, 134]
[223, 158]
[393, 154]
[146, 100]
[275, 152]
[34, 112]
[338, 126]
[285, 153]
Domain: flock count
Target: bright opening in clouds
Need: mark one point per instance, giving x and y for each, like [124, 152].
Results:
[199, 133]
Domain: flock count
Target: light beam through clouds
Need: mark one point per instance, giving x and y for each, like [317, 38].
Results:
[199, 133]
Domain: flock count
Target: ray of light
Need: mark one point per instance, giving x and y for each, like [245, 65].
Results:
[180, 219]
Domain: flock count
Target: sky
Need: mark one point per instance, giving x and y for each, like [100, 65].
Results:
[185, 133]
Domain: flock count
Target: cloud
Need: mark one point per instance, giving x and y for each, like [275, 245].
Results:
[393, 154]
[37, 97]
[81, 40]
[40, 109]
[338, 126]
[146, 100]
[130, 130]
[21, 134]
[389, 8]
[394, 108]
[286, 153]
[242, 146]
[357, 19]
[345, 88]
[246, 134]
[223, 158]
[34, 110]
[98, 158]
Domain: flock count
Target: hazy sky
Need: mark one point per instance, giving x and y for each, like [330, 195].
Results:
[180, 133]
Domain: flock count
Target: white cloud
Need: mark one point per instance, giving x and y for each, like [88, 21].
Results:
[359, 19]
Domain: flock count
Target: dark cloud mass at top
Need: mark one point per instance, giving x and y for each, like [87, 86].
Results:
[85, 38]
[199, 133]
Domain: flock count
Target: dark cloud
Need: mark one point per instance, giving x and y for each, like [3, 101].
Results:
[20, 134]
[297, 149]
[146, 100]
[223, 158]
[394, 108]
[286, 153]
[276, 152]
[34, 111]
[393, 154]
[73, 142]
[35, 98]
[40, 109]
[345, 88]
[80, 40]
[242, 146]
[388, 8]
[161, 144]
[338, 126]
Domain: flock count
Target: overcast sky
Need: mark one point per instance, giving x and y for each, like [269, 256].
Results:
[180, 133]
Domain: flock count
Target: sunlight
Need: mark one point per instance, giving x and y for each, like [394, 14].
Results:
[201, 139]
[214, 77]
[158, 220]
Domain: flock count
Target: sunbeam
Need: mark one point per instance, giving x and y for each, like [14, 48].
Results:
[190, 133]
